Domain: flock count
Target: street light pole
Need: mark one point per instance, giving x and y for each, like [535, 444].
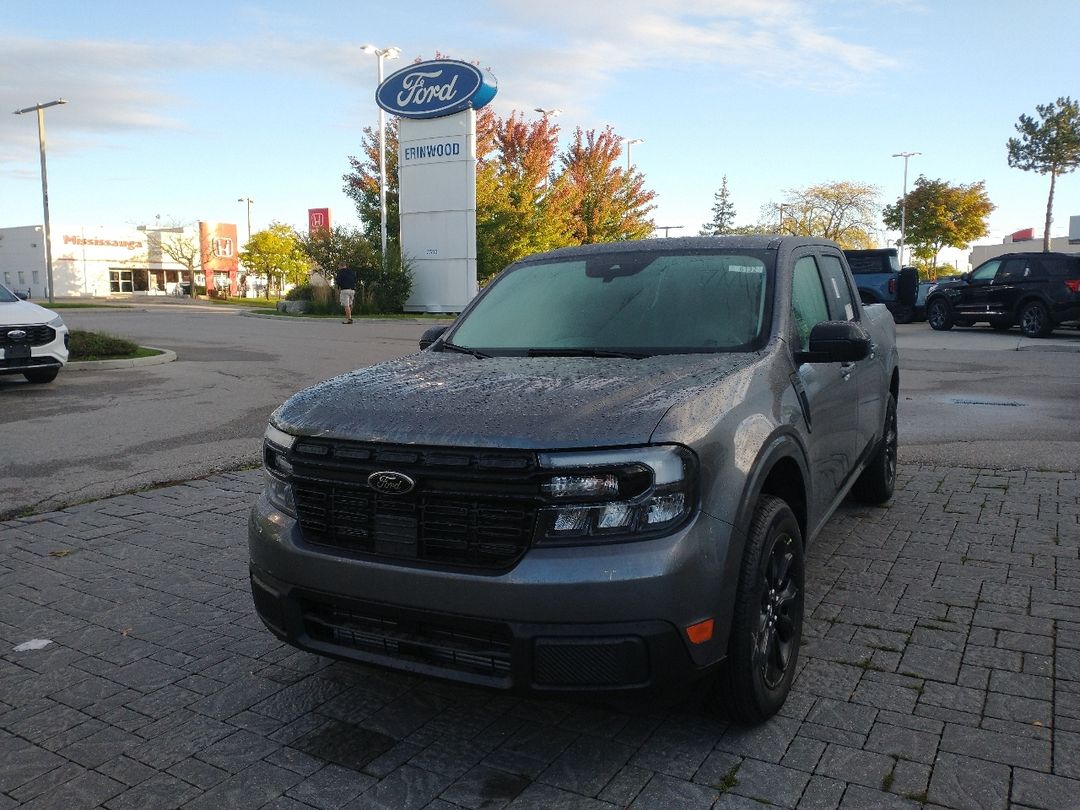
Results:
[903, 202]
[380, 54]
[249, 201]
[40, 108]
[780, 227]
[629, 146]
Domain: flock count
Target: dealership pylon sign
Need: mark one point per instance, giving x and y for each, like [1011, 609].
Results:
[437, 102]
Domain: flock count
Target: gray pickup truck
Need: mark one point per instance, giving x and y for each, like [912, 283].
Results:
[600, 479]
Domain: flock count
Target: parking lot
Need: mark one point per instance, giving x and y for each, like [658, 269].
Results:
[940, 665]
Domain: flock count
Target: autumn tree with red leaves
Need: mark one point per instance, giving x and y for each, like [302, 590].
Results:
[528, 197]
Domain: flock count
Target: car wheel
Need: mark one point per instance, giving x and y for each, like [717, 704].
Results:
[903, 314]
[1003, 324]
[767, 625]
[939, 313]
[43, 375]
[878, 480]
[1035, 320]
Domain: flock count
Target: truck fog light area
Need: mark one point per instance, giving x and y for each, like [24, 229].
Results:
[614, 516]
[582, 486]
[280, 494]
[665, 508]
[571, 521]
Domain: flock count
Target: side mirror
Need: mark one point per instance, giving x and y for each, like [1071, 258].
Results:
[21, 295]
[966, 277]
[836, 342]
[431, 335]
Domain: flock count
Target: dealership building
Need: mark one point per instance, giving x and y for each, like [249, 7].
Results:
[96, 261]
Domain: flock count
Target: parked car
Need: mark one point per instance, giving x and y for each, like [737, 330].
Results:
[1038, 291]
[599, 480]
[881, 280]
[33, 340]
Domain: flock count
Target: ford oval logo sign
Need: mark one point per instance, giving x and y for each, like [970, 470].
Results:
[390, 483]
[16, 334]
[436, 88]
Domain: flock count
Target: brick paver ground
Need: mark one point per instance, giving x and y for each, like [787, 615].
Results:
[941, 667]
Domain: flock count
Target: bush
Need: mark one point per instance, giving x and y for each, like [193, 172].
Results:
[301, 292]
[85, 345]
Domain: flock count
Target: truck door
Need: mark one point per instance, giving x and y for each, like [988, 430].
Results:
[975, 296]
[1014, 278]
[829, 390]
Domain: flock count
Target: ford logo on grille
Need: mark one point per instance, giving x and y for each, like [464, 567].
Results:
[16, 334]
[390, 483]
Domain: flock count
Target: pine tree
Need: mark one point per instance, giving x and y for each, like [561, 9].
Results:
[723, 213]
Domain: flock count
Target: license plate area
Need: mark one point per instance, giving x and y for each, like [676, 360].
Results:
[17, 351]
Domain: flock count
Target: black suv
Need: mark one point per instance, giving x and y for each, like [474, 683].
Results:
[1037, 290]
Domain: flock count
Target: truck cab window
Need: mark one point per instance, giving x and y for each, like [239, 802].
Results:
[808, 303]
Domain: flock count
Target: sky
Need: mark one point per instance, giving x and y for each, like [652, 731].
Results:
[177, 111]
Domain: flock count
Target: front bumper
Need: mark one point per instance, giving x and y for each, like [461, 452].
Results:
[15, 359]
[593, 619]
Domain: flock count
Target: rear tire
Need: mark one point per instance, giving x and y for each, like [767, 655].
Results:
[878, 480]
[41, 376]
[903, 314]
[939, 314]
[1035, 320]
[766, 628]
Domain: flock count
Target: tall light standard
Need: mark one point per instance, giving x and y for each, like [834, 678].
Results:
[381, 54]
[249, 201]
[629, 145]
[903, 201]
[40, 108]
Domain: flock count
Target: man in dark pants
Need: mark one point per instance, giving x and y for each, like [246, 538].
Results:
[346, 284]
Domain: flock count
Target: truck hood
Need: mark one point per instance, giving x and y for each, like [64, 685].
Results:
[444, 399]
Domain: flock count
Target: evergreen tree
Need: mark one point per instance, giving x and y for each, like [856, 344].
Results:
[723, 211]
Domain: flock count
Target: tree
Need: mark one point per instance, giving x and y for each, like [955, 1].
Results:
[723, 220]
[362, 186]
[276, 253]
[185, 250]
[1050, 146]
[940, 215]
[521, 207]
[609, 203]
[844, 211]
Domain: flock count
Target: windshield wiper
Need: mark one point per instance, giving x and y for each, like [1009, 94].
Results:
[585, 353]
[462, 349]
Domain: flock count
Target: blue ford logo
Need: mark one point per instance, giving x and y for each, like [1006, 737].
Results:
[436, 88]
[390, 483]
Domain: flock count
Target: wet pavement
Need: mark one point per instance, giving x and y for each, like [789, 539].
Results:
[941, 667]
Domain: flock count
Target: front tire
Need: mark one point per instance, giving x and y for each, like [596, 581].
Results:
[1035, 320]
[939, 314]
[41, 376]
[766, 628]
[878, 480]
[903, 314]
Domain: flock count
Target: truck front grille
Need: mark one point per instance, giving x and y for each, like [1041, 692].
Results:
[480, 649]
[474, 509]
[36, 335]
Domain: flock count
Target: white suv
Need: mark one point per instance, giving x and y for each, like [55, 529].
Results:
[33, 340]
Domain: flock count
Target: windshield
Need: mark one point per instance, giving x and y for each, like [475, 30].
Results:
[647, 302]
[7, 296]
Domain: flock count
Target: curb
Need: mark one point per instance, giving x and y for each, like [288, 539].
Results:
[166, 356]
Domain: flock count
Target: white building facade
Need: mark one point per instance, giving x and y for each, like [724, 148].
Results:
[100, 261]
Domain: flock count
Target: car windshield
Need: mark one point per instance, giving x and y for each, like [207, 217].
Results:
[625, 302]
[7, 296]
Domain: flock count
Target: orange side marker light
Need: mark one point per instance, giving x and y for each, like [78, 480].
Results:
[701, 632]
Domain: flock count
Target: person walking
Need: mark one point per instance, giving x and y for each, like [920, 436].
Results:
[346, 284]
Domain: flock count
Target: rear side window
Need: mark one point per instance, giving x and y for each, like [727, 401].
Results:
[1062, 266]
[837, 291]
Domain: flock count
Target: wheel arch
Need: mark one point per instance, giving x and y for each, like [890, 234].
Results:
[781, 470]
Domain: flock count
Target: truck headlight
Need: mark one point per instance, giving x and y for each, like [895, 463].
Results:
[605, 495]
[278, 469]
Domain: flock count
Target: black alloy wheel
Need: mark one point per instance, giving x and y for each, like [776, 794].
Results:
[766, 629]
[1035, 320]
[939, 314]
[878, 480]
